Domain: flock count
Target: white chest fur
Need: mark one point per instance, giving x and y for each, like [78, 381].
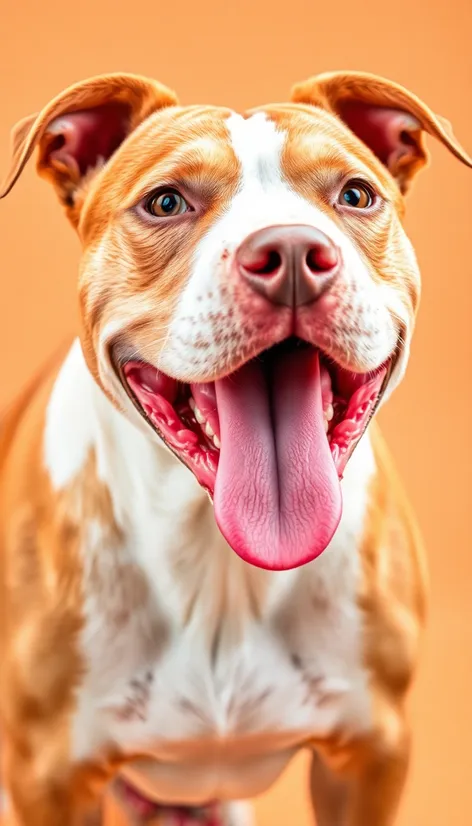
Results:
[189, 650]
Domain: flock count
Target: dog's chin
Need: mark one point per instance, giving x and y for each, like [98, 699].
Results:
[268, 442]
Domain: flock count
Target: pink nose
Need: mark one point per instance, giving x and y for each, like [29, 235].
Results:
[292, 265]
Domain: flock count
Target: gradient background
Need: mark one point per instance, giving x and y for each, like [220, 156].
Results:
[241, 54]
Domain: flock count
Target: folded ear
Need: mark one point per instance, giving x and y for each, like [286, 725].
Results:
[386, 117]
[81, 129]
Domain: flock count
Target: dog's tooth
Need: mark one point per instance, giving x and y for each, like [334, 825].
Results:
[326, 425]
[329, 412]
[199, 417]
[216, 442]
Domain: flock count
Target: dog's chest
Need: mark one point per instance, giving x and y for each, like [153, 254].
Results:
[183, 643]
[222, 653]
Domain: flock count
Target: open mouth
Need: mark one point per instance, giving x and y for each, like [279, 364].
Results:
[269, 443]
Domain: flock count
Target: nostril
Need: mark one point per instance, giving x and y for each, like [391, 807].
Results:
[271, 265]
[322, 258]
[264, 262]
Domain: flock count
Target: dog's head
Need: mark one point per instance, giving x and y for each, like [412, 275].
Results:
[247, 290]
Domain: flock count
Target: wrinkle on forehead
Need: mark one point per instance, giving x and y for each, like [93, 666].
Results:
[203, 164]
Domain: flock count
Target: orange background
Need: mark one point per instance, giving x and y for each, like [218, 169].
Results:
[241, 54]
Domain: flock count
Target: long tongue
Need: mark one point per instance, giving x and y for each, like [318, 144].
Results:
[277, 493]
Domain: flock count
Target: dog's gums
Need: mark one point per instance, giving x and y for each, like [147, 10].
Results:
[269, 443]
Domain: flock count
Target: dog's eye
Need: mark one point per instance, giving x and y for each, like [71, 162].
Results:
[166, 204]
[356, 195]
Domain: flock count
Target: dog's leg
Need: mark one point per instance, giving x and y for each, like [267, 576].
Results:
[329, 794]
[361, 785]
[60, 796]
[378, 787]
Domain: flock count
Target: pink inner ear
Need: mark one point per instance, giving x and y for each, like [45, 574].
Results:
[85, 137]
[387, 132]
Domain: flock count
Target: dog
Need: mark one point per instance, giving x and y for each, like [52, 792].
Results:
[207, 560]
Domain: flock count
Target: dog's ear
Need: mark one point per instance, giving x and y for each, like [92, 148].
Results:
[386, 117]
[81, 129]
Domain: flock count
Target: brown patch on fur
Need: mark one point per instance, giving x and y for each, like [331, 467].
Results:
[41, 617]
[393, 593]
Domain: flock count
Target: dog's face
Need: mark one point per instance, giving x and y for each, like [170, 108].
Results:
[247, 290]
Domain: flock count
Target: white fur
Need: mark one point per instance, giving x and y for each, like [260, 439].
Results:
[70, 413]
[252, 686]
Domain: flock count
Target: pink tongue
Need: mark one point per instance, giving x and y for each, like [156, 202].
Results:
[277, 493]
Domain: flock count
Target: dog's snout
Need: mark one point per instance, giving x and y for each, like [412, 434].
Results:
[291, 265]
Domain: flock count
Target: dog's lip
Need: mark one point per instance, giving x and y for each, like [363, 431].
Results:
[119, 368]
[390, 364]
[119, 363]
[120, 356]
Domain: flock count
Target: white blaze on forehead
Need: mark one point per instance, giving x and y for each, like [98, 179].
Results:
[258, 146]
[265, 197]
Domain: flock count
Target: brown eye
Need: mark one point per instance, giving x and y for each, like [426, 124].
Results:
[356, 196]
[166, 204]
